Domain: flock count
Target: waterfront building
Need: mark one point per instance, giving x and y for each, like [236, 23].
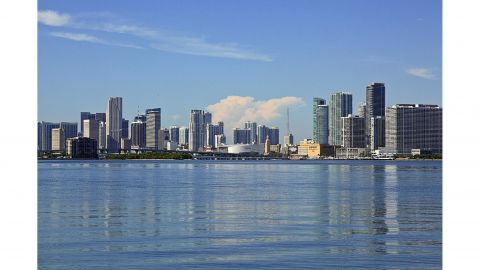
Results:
[138, 130]
[70, 129]
[174, 134]
[262, 133]
[320, 120]
[183, 135]
[81, 147]
[212, 131]
[85, 116]
[245, 148]
[350, 153]
[275, 148]
[253, 131]
[58, 139]
[313, 150]
[91, 129]
[413, 126]
[220, 140]
[126, 144]
[102, 135]
[266, 149]
[340, 106]
[288, 140]
[114, 123]
[375, 105]
[154, 122]
[377, 133]
[162, 139]
[46, 135]
[196, 135]
[274, 135]
[353, 132]
[242, 136]
[124, 128]
[172, 146]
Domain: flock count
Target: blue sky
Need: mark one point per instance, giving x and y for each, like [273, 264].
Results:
[181, 55]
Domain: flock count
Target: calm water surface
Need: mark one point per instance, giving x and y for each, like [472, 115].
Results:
[239, 215]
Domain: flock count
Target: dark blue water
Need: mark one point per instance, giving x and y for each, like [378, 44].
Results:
[239, 215]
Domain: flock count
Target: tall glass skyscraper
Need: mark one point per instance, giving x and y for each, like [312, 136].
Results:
[375, 106]
[154, 122]
[114, 123]
[253, 131]
[320, 120]
[196, 135]
[340, 106]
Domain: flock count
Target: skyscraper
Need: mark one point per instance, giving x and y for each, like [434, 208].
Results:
[361, 109]
[262, 133]
[320, 120]
[243, 136]
[253, 131]
[70, 129]
[353, 132]
[46, 135]
[183, 135]
[138, 133]
[91, 129]
[340, 106]
[196, 131]
[114, 123]
[377, 132]
[124, 128]
[102, 135]
[212, 131]
[274, 135]
[375, 105]
[413, 126]
[174, 134]
[153, 128]
[58, 139]
[85, 116]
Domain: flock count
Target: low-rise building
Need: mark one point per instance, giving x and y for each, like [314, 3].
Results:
[81, 147]
[315, 150]
[350, 153]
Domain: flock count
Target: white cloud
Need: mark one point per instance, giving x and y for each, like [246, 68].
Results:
[53, 18]
[166, 41]
[89, 38]
[234, 111]
[422, 73]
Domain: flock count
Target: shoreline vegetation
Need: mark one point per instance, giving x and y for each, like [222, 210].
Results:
[149, 155]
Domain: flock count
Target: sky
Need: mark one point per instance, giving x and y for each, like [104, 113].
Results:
[241, 60]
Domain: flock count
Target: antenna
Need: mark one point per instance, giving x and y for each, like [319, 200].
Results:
[288, 121]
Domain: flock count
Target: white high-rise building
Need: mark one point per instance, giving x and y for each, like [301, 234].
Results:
[183, 135]
[340, 106]
[196, 131]
[91, 129]
[114, 123]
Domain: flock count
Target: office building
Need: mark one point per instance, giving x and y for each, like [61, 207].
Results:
[274, 135]
[375, 105]
[320, 120]
[361, 109]
[262, 133]
[58, 139]
[174, 134]
[153, 129]
[114, 123]
[140, 117]
[70, 129]
[377, 133]
[138, 131]
[196, 131]
[81, 147]
[314, 150]
[266, 147]
[101, 117]
[288, 140]
[242, 136]
[102, 135]
[46, 135]
[124, 128]
[126, 144]
[413, 126]
[85, 116]
[340, 106]
[212, 131]
[253, 131]
[91, 129]
[353, 132]
[183, 134]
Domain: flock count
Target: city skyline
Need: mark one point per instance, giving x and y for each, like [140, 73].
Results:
[84, 52]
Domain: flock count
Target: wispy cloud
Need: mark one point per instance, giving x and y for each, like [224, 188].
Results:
[162, 40]
[89, 38]
[236, 110]
[53, 18]
[422, 73]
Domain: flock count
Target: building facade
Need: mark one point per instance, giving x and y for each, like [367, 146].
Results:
[375, 105]
[138, 132]
[174, 134]
[413, 126]
[124, 128]
[45, 129]
[183, 134]
[320, 120]
[353, 132]
[154, 121]
[242, 136]
[91, 129]
[253, 131]
[196, 135]
[114, 123]
[58, 139]
[377, 133]
[81, 147]
[340, 106]
[274, 135]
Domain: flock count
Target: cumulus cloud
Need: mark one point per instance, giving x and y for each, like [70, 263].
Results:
[236, 110]
[422, 73]
[53, 18]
